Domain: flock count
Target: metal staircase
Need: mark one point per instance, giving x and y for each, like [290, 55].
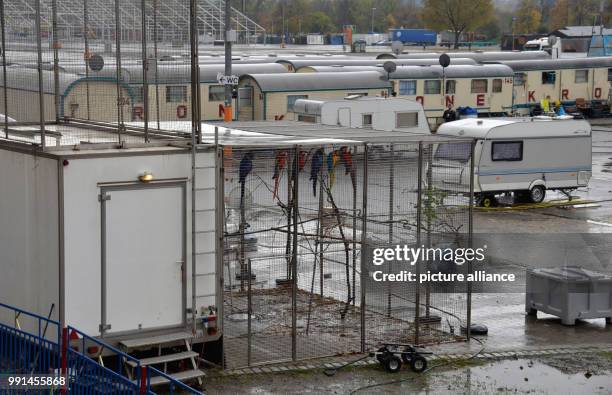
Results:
[163, 343]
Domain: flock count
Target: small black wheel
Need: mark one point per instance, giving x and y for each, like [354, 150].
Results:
[393, 364]
[418, 363]
[381, 357]
[488, 201]
[537, 194]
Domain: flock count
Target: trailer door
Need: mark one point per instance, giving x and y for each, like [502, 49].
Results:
[143, 256]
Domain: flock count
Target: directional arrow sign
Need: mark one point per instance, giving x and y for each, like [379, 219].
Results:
[227, 79]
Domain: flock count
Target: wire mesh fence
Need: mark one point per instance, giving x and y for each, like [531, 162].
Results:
[298, 221]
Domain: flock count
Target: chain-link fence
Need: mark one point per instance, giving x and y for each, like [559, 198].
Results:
[298, 221]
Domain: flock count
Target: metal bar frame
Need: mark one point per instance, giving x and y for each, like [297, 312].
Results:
[5, 93]
[294, 256]
[41, 91]
[417, 296]
[364, 243]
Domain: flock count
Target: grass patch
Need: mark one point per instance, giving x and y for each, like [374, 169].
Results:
[605, 354]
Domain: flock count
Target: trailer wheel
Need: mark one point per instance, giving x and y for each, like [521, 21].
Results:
[393, 364]
[537, 194]
[488, 201]
[418, 364]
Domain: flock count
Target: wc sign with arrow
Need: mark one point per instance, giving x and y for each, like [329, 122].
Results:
[227, 79]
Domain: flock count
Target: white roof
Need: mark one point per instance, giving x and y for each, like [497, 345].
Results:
[507, 128]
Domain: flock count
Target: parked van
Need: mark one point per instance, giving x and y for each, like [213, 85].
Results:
[526, 156]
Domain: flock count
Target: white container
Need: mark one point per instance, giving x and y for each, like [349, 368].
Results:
[570, 293]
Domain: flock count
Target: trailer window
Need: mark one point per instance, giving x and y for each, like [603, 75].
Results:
[432, 87]
[291, 99]
[366, 121]
[451, 86]
[406, 119]
[507, 151]
[407, 87]
[176, 94]
[480, 86]
[519, 79]
[549, 77]
[497, 85]
[216, 93]
[454, 151]
[581, 76]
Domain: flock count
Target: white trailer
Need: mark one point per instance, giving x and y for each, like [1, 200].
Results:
[104, 232]
[357, 111]
[526, 156]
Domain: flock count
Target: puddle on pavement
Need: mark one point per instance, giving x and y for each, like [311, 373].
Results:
[525, 376]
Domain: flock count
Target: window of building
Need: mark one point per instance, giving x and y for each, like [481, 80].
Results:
[497, 85]
[549, 77]
[451, 86]
[366, 120]
[407, 87]
[307, 118]
[406, 119]
[507, 151]
[609, 75]
[245, 97]
[480, 86]
[581, 76]
[291, 99]
[176, 94]
[519, 79]
[216, 93]
[432, 87]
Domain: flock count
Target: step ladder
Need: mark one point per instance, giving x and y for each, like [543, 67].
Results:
[205, 243]
[160, 362]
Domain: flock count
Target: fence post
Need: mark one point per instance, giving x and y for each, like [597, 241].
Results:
[294, 253]
[64, 355]
[468, 331]
[249, 311]
[144, 373]
[417, 296]
[364, 242]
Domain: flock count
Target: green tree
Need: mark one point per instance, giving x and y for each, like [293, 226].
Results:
[528, 17]
[318, 22]
[457, 16]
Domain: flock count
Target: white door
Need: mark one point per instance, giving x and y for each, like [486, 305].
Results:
[344, 117]
[143, 239]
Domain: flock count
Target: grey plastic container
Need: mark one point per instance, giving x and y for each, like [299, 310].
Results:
[570, 293]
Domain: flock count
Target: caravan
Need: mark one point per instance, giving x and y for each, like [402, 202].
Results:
[526, 156]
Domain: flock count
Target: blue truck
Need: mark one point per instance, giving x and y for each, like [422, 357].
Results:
[413, 36]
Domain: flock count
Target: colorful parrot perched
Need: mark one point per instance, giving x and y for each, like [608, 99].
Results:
[279, 164]
[315, 168]
[347, 159]
[302, 160]
[246, 166]
[332, 160]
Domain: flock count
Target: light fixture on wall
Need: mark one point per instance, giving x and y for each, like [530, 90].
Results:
[145, 177]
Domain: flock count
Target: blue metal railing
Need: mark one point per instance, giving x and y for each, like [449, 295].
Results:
[25, 352]
[41, 346]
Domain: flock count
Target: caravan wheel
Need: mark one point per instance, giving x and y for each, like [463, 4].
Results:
[537, 194]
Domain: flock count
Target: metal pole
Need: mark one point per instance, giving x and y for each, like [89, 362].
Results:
[294, 258]
[320, 234]
[87, 55]
[364, 243]
[227, 117]
[468, 329]
[249, 313]
[145, 71]
[417, 298]
[354, 257]
[391, 192]
[118, 70]
[429, 219]
[4, 82]
[55, 44]
[41, 92]
[156, 68]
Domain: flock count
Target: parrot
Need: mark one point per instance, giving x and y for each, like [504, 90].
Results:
[332, 160]
[302, 160]
[246, 166]
[280, 163]
[347, 159]
[315, 168]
